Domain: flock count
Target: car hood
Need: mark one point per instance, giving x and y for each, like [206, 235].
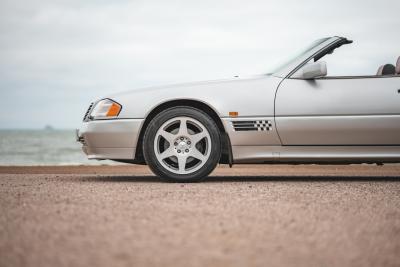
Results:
[191, 84]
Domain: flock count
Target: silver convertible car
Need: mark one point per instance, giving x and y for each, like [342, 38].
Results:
[297, 114]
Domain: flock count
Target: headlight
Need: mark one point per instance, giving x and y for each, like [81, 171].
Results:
[105, 109]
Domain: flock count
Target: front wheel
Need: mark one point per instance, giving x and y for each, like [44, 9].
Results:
[182, 144]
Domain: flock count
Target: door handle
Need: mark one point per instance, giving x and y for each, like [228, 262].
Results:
[398, 91]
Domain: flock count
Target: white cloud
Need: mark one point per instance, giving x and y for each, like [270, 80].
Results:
[55, 56]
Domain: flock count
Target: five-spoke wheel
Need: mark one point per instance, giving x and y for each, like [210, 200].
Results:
[182, 144]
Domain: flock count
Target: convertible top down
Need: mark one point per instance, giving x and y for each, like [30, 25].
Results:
[296, 114]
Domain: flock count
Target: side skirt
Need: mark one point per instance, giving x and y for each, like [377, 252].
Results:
[316, 154]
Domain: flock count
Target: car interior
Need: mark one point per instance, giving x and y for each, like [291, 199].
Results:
[389, 69]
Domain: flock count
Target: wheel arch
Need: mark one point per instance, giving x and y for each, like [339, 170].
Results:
[226, 149]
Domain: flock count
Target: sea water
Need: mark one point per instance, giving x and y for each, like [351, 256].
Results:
[42, 147]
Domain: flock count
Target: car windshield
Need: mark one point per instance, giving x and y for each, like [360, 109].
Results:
[298, 55]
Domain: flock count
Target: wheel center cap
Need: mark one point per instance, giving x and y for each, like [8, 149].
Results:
[182, 145]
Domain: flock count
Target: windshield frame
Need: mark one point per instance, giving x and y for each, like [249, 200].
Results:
[286, 69]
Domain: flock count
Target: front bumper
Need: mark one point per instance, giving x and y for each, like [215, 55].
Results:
[110, 139]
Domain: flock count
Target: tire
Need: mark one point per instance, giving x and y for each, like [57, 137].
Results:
[182, 154]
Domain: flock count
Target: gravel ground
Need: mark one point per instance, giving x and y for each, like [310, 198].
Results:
[244, 216]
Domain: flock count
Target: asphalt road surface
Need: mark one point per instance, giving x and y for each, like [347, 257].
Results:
[244, 216]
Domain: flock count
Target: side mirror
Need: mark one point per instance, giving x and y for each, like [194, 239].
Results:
[312, 71]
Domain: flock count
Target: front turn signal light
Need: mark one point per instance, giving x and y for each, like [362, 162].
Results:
[105, 109]
[114, 110]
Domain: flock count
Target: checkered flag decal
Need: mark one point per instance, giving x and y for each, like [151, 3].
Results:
[256, 125]
[263, 125]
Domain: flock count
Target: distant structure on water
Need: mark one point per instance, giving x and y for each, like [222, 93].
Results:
[48, 128]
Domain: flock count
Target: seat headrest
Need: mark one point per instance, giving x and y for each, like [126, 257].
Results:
[398, 66]
[389, 69]
[379, 72]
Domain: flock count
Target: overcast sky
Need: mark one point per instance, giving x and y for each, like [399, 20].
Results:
[56, 56]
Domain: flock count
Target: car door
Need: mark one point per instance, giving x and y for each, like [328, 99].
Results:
[339, 111]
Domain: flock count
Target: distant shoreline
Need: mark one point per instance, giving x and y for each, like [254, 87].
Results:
[38, 129]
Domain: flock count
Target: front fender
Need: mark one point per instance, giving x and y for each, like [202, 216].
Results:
[249, 97]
